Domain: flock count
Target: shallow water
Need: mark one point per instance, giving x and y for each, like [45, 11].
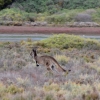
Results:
[19, 37]
[34, 37]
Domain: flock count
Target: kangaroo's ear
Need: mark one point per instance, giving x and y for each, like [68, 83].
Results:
[34, 49]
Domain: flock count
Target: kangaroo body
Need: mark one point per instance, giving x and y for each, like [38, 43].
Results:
[47, 61]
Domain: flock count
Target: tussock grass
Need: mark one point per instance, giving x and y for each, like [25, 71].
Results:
[62, 59]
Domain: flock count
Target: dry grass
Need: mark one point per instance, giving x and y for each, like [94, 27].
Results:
[20, 79]
[62, 59]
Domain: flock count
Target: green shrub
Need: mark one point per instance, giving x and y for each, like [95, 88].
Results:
[3, 3]
[57, 19]
[52, 6]
[63, 16]
[63, 41]
[32, 5]
[49, 97]
[11, 90]
[15, 15]
[14, 89]
[96, 16]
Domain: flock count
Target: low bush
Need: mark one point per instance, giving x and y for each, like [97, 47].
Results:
[16, 15]
[63, 41]
[63, 16]
[52, 6]
[96, 16]
[11, 90]
[83, 17]
[14, 89]
[57, 19]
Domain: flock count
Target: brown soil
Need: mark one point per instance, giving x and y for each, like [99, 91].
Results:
[49, 30]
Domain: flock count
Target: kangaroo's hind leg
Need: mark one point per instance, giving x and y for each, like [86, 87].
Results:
[54, 69]
[49, 68]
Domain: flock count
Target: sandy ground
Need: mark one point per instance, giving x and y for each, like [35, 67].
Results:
[50, 30]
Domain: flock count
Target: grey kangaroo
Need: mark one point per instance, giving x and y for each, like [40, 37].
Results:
[47, 61]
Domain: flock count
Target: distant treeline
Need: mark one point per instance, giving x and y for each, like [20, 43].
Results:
[50, 6]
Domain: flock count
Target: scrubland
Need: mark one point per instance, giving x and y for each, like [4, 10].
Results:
[59, 18]
[20, 79]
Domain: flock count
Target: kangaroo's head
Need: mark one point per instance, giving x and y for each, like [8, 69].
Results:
[33, 52]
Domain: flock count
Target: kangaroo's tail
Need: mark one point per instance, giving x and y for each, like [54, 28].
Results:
[59, 67]
[64, 70]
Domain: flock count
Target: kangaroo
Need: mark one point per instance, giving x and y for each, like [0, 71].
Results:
[47, 61]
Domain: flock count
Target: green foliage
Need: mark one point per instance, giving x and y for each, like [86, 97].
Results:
[3, 3]
[73, 4]
[57, 19]
[11, 89]
[14, 89]
[63, 41]
[60, 18]
[16, 15]
[32, 5]
[49, 97]
[63, 16]
[96, 16]
[52, 6]
[57, 11]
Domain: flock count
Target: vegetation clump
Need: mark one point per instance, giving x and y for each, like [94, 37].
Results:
[64, 41]
[52, 6]
[57, 12]
[15, 15]
[64, 17]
